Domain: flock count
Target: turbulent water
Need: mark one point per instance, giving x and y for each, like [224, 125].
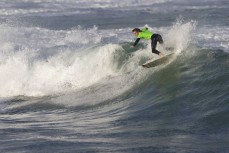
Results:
[71, 83]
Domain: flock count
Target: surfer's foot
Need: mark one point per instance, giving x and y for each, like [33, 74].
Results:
[161, 54]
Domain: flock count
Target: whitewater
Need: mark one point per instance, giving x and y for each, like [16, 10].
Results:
[71, 83]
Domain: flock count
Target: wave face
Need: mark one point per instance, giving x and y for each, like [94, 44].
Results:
[71, 83]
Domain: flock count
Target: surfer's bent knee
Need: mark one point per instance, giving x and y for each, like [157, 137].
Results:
[158, 38]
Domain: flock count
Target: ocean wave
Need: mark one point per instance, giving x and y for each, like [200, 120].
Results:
[51, 62]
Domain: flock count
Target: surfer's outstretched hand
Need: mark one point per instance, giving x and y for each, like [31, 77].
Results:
[131, 46]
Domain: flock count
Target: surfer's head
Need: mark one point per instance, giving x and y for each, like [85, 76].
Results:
[136, 31]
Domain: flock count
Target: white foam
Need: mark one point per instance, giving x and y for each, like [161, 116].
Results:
[32, 63]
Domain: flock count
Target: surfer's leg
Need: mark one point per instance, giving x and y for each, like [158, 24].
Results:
[159, 39]
[154, 44]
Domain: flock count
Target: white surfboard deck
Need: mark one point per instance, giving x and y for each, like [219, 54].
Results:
[157, 62]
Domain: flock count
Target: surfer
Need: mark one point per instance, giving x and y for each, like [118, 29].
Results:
[145, 34]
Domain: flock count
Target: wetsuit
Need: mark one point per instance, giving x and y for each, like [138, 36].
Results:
[145, 34]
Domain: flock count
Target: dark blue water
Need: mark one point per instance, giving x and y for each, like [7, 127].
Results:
[70, 82]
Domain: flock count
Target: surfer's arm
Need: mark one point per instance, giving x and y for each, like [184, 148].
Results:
[136, 42]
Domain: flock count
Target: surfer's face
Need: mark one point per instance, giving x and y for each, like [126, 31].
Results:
[135, 33]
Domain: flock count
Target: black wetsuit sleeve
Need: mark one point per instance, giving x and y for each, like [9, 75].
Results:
[136, 42]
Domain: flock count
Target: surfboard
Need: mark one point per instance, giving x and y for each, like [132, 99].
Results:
[157, 62]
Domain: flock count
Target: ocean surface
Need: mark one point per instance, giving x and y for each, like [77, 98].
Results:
[70, 83]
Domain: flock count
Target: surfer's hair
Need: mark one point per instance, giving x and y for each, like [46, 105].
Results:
[136, 30]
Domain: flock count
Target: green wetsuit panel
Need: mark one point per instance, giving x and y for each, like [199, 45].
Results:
[145, 34]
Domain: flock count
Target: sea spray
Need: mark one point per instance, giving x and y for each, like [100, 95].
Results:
[180, 35]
